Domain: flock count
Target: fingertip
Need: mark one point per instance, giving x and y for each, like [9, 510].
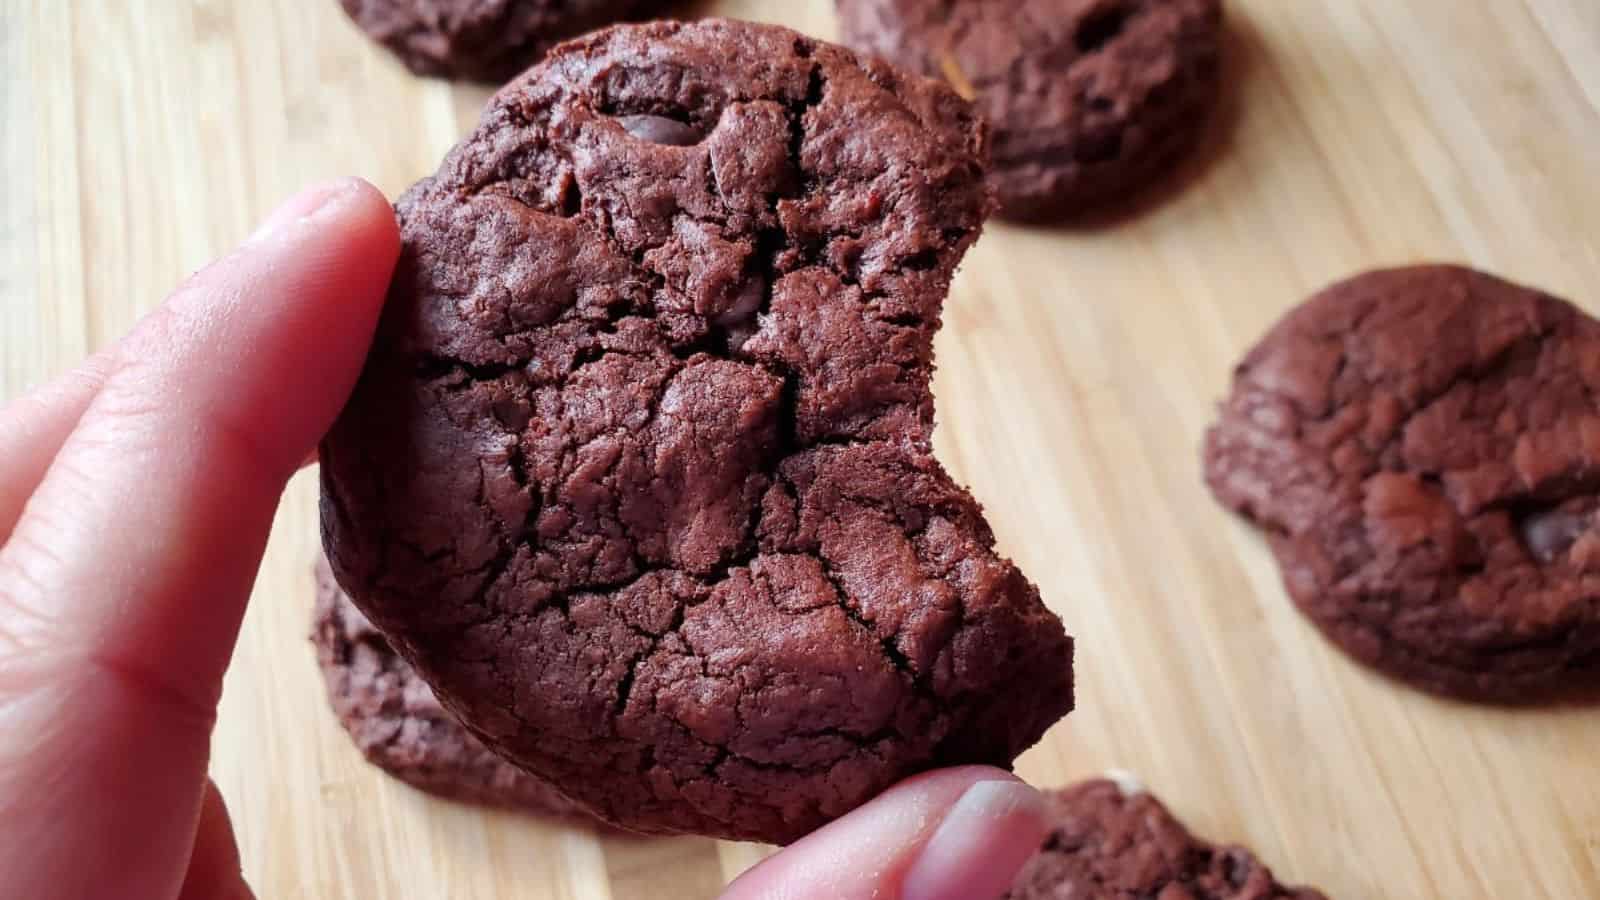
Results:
[347, 200]
[984, 822]
[345, 226]
[984, 840]
[360, 206]
[277, 331]
[342, 233]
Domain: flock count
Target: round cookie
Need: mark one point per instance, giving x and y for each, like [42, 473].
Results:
[398, 724]
[1113, 841]
[1089, 99]
[1422, 447]
[483, 40]
[638, 474]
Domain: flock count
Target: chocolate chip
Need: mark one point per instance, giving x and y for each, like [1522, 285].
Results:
[751, 294]
[1547, 535]
[514, 415]
[1236, 866]
[661, 130]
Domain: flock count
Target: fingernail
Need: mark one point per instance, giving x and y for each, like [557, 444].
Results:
[983, 842]
[303, 206]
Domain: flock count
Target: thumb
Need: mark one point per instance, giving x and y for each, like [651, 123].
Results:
[956, 834]
[124, 580]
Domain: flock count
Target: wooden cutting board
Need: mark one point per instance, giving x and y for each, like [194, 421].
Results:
[1078, 369]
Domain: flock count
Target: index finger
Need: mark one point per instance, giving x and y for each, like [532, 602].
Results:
[125, 579]
[33, 428]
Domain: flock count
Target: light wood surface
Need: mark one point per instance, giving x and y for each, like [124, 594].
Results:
[1078, 369]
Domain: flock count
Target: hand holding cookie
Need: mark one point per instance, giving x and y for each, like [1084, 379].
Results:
[135, 502]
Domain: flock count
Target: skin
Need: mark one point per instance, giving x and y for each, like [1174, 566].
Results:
[136, 494]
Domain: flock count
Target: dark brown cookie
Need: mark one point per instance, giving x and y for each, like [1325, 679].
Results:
[638, 473]
[1114, 841]
[1089, 99]
[1422, 446]
[398, 724]
[483, 40]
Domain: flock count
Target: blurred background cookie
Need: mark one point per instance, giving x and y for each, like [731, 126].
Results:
[481, 40]
[1089, 99]
[1112, 840]
[1422, 447]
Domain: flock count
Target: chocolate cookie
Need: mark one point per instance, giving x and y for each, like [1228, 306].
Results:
[1422, 446]
[1113, 841]
[392, 715]
[638, 473]
[1089, 99]
[485, 40]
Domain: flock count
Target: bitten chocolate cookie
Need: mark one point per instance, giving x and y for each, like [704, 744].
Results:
[1422, 446]
[1089, 99]
[638, 472]
[395, 720]
[1114, 841]
[483, 40]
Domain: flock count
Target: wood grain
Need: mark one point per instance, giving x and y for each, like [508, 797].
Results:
[1077, 371]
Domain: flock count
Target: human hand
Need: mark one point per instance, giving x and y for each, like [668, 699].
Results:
[954, 834]
[136, 494]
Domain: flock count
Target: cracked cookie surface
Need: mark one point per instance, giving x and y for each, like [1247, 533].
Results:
[638, 474]
[484, 40]
[1089, 99]
[394, 719]
[1422, 447]
[1107, 843]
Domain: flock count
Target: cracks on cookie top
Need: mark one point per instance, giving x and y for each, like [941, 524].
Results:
[775, 254]
[559, 603]
[816, 92]
[891, 650]
[852, 743]
[625, 685]
[719, 753]
[773, 241]
[777, 251]
[920, 681]
[772, 246]
[450, 372]
[1379, 458]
